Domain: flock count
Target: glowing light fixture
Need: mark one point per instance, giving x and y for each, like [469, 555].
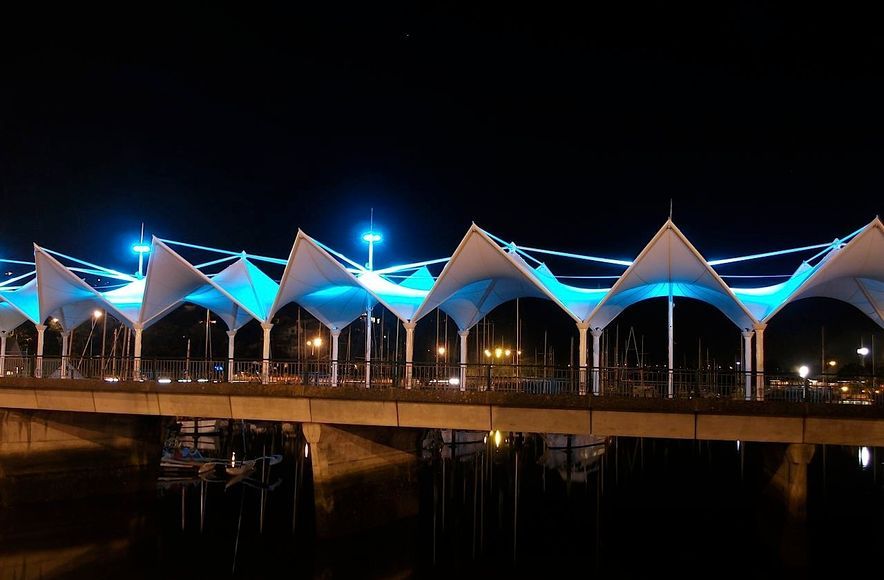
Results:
[96, 313]
[497, 438]
[441, 350]
[371, 237]
[498, 352]
[862, 351]
[864, 455]
[803, 371]
[141, 248]
[832, 363]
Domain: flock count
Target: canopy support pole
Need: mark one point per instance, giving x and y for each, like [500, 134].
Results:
[409, 352]
[231, 334]
[463, 334]
[265, 355]
[747, 356]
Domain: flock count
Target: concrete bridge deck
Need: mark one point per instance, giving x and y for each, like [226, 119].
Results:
[708, 419]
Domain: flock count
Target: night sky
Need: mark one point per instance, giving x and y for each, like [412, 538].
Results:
[547, 124]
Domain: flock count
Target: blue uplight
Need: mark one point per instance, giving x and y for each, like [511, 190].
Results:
[141, 248]
[371, 237]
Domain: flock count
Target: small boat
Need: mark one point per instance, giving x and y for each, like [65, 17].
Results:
[201, 426]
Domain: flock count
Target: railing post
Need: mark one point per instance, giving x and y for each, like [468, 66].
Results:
[265, 355]
[335, 335]
[368, 347]
[4, 334]
[409, 351]
[582, 328]
[463, 334]
[488, 377]
[231, 334]
[65, 344]
[747, 356]
[596, 338]
[136, 364]
[38, 368]
[759, 361]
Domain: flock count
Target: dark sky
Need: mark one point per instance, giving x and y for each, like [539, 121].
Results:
[551, 125]
[548, 124]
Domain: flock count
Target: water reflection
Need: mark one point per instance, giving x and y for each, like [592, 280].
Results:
[532, 504]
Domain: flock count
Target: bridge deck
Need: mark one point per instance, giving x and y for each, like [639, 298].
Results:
[766, 421]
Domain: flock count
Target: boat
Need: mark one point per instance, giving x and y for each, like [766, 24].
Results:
[201, 426]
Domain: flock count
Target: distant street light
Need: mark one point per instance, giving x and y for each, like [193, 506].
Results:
[862, 351]
[803, 371]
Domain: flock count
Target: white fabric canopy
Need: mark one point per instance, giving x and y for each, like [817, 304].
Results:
[479, 277]
[853, 273]
[171, 280]
[63, 295]
[670, 263]
[25, 300]
[321, 285]
[10, 317]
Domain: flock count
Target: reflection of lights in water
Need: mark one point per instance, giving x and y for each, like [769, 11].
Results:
[738, 444]
[497, 438]
[233, 459]
[306, 450]
[864, 455]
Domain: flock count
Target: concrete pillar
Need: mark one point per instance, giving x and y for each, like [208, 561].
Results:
[65, 344]
[747, 368]
[4, 334]
[38, 368]
[463, 358]
[798, 456]
[231, 334]
[596, 337]
[363, 477]
[409, 351]
[582, 327]
[136, 364]
[335, 336]
[759, 361]
[368, 348]
[265, 354]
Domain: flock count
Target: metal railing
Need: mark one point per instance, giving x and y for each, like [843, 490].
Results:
[609, 382]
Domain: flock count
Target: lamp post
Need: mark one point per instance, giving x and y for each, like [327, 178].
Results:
[803, 371]
[862, 351]
[141, 248]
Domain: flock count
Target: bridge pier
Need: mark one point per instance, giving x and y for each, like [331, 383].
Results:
[363, 477]
[790, 479]
[49, 455]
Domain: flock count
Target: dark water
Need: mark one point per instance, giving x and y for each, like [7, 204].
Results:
[626, 509]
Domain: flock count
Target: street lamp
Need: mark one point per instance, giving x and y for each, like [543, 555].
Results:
[862, 352]
[803, 371]
[372, 238]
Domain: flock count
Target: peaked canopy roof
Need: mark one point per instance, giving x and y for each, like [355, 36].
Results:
[479, 277]
[670, 263]
[852, 273]
[24, 300]
[63, 295]
[321, 285]
[10, 316]
[237, 294]
[483, 273]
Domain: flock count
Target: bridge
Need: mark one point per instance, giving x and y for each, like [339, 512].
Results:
[812, 414]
